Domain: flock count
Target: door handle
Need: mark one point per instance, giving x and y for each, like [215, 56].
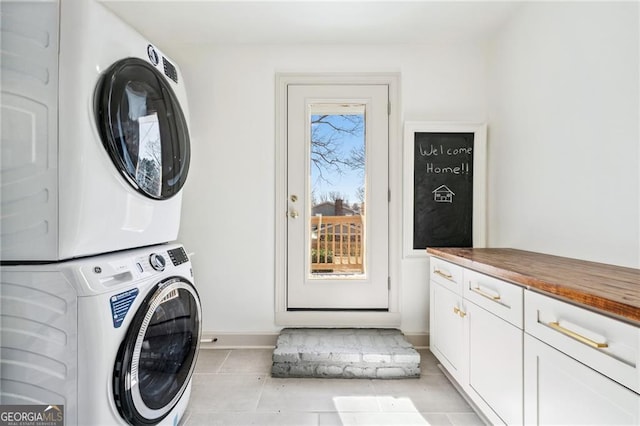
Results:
[459, 312]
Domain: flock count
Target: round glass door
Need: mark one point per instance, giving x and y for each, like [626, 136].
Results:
[157, 357]
[143, 128]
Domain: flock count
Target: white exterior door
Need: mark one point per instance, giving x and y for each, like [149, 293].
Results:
[337, 197]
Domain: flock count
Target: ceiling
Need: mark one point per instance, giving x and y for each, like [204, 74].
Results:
[312, 21]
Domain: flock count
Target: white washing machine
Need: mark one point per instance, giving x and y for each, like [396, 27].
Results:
[95, 142]
[112, 338]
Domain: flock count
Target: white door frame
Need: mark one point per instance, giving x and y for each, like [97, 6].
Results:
[390, 318]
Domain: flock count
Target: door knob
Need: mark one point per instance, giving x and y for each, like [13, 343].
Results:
[293, 214]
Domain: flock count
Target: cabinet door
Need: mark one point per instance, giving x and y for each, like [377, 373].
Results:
[605, 344]
[446, 329]
[495, 365]
[560, 390]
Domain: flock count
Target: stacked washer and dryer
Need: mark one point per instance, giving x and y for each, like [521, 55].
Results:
[98, 310]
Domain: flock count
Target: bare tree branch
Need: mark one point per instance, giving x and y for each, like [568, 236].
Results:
[326, 153]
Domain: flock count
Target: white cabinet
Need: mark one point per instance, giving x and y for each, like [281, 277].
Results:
[562, 391]
[495, 366]
[447, 329]
[493, 345]
[580, 367]
[524, 357]
[447, 274]
[497, 296]
[446, 321]
[476, 334]
[606, 344]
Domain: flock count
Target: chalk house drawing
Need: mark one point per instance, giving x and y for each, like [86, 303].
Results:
[443, 194]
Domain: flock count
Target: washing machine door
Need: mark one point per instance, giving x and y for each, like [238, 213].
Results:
[143, 128]
[157, 357]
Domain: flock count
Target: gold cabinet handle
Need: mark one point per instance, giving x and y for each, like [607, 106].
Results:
[485, 294]
[462, 314]
[580, 338]
[443, 274]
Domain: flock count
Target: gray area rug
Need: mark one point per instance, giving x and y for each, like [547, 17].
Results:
[355, 353]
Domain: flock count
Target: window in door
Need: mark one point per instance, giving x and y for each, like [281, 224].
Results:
[337, 186]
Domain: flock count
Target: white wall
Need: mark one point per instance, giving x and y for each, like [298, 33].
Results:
[559, 90]
[228, 210]
[564, 132]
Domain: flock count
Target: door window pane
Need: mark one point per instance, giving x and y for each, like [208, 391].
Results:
[338, 193]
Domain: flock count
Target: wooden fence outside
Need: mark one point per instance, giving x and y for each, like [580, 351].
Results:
[337, 244]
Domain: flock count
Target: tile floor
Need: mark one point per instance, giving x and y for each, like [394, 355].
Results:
[234, 387]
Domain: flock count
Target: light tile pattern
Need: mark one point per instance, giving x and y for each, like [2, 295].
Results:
[234, 387]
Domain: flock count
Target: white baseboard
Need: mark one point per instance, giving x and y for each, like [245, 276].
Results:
[418, 340]
[267, 340]
[226, 340]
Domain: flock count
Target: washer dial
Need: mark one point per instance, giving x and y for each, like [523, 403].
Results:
[157, 262]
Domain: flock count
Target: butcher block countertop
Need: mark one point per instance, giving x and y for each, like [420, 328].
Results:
[613, 290]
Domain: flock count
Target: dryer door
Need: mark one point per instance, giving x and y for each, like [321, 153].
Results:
[143, 128]
[157, 357]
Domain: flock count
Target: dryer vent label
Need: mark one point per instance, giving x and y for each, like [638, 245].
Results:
[120, 304]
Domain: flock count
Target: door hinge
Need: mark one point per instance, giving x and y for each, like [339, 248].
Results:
[389, 283]
[389, 108]
[388, 195]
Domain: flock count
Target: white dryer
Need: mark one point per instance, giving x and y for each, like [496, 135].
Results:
[95, 142]
[112, 338]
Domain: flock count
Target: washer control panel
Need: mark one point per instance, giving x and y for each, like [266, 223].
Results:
[178, 256]
[157, 261]
[117, 269]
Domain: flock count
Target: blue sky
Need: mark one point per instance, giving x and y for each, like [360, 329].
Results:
[350, 180]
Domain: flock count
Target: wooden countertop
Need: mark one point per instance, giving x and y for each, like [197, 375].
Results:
[613, 290]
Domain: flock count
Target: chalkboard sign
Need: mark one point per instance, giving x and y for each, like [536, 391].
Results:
[443, 189]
